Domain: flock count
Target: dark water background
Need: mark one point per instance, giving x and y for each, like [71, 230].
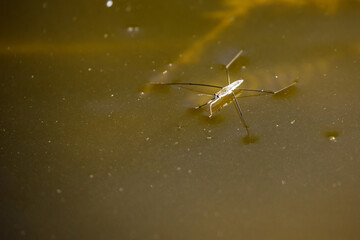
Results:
[89, 150]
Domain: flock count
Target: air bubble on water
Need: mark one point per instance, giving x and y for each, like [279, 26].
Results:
[109, 3]
[133, 29]
[332, 139]
[332, 136]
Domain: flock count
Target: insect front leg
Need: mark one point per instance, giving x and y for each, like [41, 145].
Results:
[211, 113]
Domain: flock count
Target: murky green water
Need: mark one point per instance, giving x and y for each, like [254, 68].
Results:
[90, 150]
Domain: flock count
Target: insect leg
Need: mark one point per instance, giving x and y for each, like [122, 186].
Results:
[268, 91]
[203, 105]
[211, 113]
[183, 84]
[241, 115]
[228, 65]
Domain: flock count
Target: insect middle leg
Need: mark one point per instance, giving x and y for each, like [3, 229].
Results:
[203, 105]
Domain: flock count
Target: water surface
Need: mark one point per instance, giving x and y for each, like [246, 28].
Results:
[90, 150]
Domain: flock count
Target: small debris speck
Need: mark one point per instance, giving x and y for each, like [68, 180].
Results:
[91, 176]
[293, 121]
[58, 191]
[121, 189]
[128, 8]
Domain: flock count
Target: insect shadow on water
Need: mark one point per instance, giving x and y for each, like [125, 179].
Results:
[229, 91]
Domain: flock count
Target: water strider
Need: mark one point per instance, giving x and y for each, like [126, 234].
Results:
[227, 91]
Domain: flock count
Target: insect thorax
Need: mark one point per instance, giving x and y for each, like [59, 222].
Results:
[227, 90]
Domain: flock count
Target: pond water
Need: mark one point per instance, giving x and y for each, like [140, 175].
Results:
[91, 149]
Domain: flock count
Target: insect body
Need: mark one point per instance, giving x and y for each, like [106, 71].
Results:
[228, 91]
[224, 92]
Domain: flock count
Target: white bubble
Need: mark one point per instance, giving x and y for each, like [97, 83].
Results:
[133, 29]
[109, 3]
[332, 139]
